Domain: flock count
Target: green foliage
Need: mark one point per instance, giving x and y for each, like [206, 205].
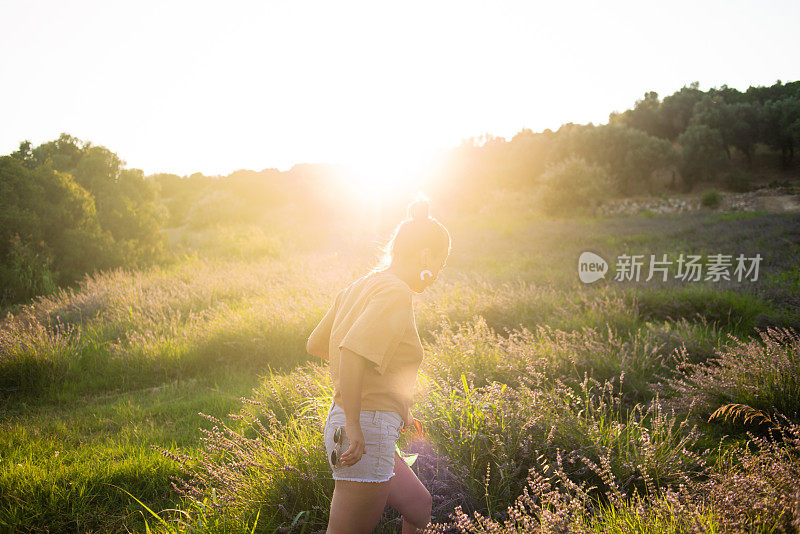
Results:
[573, 185]
[630, 156]
[746, 127]
[645, 116]
[25, 272]
[677, 109]
[782, 127]
[75, 204]
[738, 180]
[128, 360]
[762, 373]
[710, 198]
[702, 154]
[733, 310]
[766, 115]
[49, 231]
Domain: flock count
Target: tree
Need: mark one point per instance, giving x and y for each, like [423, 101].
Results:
[62, 154]
[125, 203]
[677, 109]
[746, 128]
[782, 127]
[702, 153]
[49, 232]
[713, 112]
[645, 116]
[629, 155]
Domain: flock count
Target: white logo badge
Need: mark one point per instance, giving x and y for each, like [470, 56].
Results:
[591, 267]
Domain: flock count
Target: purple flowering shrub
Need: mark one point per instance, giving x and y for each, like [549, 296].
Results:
[503, 430]
[755, 487]
[762, 373]
[545, 431]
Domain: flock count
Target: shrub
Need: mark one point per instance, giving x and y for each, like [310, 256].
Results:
[755, 489]
[710, 198]
[738, 180]
[573, 185]
[763, 374]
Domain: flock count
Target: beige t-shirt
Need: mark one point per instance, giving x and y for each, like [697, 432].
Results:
[374, 318]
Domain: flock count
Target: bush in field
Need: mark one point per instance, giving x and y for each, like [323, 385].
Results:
[630, 155]
[755, 488]
[573, 185]
[763, 374]
[710, 198]
[539, 357]
[502, 430]
[738, 180]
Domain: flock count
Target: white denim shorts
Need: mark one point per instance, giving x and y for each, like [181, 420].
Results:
[381, 428]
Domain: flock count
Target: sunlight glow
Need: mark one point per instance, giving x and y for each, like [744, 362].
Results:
[253, 85]
[378, 176]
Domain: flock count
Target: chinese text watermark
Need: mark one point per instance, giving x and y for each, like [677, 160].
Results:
[687, 268]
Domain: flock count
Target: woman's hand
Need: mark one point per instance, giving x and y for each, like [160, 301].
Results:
[408, 422]
[412, 423]
[357, 445]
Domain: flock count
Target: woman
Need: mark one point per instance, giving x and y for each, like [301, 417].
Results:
[371, 333]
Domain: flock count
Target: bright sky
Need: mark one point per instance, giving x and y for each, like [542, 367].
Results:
[212, 87]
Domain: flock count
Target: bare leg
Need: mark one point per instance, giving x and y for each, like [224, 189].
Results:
[409, 496]
[357, 507]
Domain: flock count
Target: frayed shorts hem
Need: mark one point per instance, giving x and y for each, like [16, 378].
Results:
[352, 479]
[381, 430]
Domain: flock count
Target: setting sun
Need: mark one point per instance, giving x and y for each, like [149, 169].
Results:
[375, 176]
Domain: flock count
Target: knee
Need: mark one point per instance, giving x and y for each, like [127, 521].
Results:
[422, 510]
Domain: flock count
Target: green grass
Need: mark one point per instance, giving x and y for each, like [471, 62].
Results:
[128, 360]
[736, 215]
[59, 452]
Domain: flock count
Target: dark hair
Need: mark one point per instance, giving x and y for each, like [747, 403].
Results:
[415, 233]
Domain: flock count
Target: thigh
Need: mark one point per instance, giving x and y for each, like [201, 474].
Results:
[357, 507]
[408, 495]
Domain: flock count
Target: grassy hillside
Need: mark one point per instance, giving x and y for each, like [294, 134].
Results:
[528, 373]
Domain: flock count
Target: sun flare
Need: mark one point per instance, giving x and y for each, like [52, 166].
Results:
[376, 178]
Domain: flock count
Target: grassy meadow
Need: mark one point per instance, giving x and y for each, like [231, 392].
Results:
[548, 405]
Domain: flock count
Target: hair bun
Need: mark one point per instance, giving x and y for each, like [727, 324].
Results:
[419, 209]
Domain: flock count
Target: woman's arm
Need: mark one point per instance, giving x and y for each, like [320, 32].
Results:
[319, 340]
[351, 376]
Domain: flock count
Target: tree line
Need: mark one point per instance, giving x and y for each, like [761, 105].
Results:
[69, 207]
[690, 136]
